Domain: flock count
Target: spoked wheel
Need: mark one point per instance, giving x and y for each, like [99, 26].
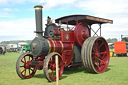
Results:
[95, 54]
[50, 66]
[23, 70]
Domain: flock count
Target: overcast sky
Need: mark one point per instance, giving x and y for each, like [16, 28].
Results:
[17, 17]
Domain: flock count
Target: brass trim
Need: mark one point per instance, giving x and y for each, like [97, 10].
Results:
[38, 8]
[54, 45]
[67, 36]
[36, 34]
[49, 46]
[62, 46]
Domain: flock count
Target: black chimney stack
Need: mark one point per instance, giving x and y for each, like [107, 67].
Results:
[38, 16]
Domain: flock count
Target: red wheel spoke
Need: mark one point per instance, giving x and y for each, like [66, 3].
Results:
[96, 44]
[104, 55]
[93, 52]
[22, 71]
[101, 60]
[93, 58]
[34, 70]
[51, 74]
[103, 52]
[98, 66]
[100, 45]
[29, 71]
[23, 61]
[94, 49]
[25, 72]
[29, 58]
[21, 66]
[51, 64]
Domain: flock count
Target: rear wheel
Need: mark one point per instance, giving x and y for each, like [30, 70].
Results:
[50, 66]
[95, 54]
[23, 70]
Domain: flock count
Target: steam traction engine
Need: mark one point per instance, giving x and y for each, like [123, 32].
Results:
[74, 47]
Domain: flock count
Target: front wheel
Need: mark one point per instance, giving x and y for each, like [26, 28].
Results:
[23, 70]
[50, 66]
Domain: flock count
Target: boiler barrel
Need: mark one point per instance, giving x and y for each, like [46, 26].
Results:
[58, 46]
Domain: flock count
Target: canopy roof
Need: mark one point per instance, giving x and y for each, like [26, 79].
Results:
[73, 19]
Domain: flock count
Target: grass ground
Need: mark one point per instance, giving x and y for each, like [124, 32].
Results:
[116, 74]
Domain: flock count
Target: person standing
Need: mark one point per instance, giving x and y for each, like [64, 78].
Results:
[3, 48]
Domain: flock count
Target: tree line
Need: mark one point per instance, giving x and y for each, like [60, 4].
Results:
[14, 42]
[112, 40]
[109, 40]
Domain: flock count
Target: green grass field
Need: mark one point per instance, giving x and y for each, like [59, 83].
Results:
[116, 74]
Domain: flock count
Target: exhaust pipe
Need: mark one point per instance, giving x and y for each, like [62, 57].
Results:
[38, 16]
[39, 45]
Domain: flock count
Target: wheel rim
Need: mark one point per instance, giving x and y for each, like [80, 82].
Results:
[100, 55]
[50, 67]
[23, 69]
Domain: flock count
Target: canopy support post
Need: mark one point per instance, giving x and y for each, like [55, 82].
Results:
[95, 32]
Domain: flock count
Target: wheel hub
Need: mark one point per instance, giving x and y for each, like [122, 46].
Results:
[97, 54]
[26, 66]
[54, 67]
[83, 34]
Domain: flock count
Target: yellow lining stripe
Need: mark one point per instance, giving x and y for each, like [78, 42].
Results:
[62, 46]
[49, 47]
[54, 45]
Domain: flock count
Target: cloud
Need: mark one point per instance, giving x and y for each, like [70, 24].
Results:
[104, 7]
[19, 29]
[117, 10]
[54, 3]
[6, 15]
[9, 10]
[13, 2]
[6, 12]
[111, 9]
[98, 7]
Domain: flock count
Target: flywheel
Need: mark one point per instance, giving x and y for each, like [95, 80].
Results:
[81, 33]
